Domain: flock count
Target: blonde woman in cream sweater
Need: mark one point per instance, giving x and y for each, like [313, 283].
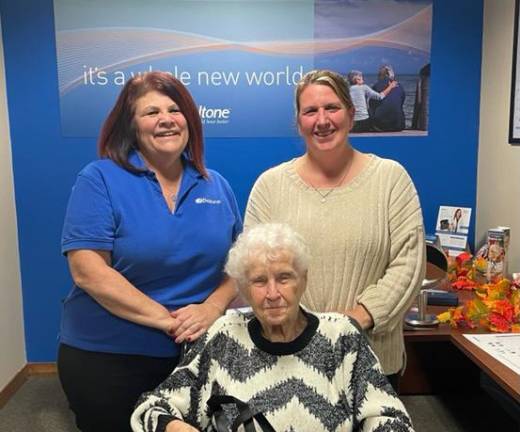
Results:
[359, 213]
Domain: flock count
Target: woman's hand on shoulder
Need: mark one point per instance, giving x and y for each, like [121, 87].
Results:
[393, 84]
[180, 426]
[194, 320]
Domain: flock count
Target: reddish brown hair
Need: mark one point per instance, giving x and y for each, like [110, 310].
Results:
[118, 134]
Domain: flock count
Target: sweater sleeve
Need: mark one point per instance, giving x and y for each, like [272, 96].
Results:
[376, 407]
[371, 94]
[171, 400]
[258, 208]
[389, 299]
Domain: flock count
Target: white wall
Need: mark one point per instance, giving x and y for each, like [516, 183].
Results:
[12, 341]
[498, 181]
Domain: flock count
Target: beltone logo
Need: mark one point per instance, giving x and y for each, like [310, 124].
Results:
[214, 115]
[207, 201]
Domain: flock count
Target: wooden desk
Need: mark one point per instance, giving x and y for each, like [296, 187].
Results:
[421, 377]
[501, 374]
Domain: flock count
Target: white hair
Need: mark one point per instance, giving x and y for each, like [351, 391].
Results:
[266, 242]
[352, 75]
[386, 71]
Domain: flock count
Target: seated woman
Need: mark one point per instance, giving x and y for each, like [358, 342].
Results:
[304, 371]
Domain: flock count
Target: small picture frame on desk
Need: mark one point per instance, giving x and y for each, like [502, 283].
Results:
[514, 119]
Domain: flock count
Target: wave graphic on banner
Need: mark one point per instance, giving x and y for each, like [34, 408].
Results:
[119, 47]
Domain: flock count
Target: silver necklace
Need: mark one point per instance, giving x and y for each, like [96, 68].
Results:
[169, 192]
[173, 192]
[324, 195]
[173, 195]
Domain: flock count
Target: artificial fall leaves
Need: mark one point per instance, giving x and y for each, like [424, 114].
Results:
[496, 305]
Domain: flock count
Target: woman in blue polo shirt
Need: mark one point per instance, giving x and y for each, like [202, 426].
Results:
[146, 234]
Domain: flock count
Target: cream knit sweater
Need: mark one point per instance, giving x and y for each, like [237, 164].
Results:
[366, 242]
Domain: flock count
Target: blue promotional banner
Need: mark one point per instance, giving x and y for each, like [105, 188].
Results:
[239, 59]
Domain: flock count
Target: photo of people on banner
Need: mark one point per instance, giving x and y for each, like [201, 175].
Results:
[384, 111]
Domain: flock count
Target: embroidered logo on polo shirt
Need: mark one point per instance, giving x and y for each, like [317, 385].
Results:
[207, 201]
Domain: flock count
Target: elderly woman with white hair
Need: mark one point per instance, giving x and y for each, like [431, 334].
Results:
[299, 370]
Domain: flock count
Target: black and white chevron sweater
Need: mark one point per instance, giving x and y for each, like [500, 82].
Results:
[328, 379]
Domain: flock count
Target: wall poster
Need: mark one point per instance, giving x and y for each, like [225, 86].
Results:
[241, 59]
[514, 120]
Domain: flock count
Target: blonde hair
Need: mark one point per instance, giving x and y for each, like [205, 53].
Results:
[328, 78]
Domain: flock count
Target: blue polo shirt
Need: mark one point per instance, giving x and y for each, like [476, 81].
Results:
[174, 258]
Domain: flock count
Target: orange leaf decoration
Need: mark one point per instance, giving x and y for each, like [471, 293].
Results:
[515, 301]
[480, 265]
[503, 308]
[463, 283]
[463, 258]
[504, 284]
[495, 307]
[445, 317]
[498, 323]
[476, 309]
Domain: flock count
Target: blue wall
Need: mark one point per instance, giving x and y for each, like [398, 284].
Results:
[443, 164]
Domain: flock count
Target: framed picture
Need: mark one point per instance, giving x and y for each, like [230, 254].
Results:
[514, 119]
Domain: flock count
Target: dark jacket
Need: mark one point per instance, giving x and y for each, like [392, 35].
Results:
[387, 114]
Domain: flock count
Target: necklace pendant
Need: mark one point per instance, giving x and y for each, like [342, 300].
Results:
[323, 200]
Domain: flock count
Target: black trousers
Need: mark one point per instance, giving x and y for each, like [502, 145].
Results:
[102, 388]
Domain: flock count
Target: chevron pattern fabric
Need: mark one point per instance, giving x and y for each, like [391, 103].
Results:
[327, 379]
